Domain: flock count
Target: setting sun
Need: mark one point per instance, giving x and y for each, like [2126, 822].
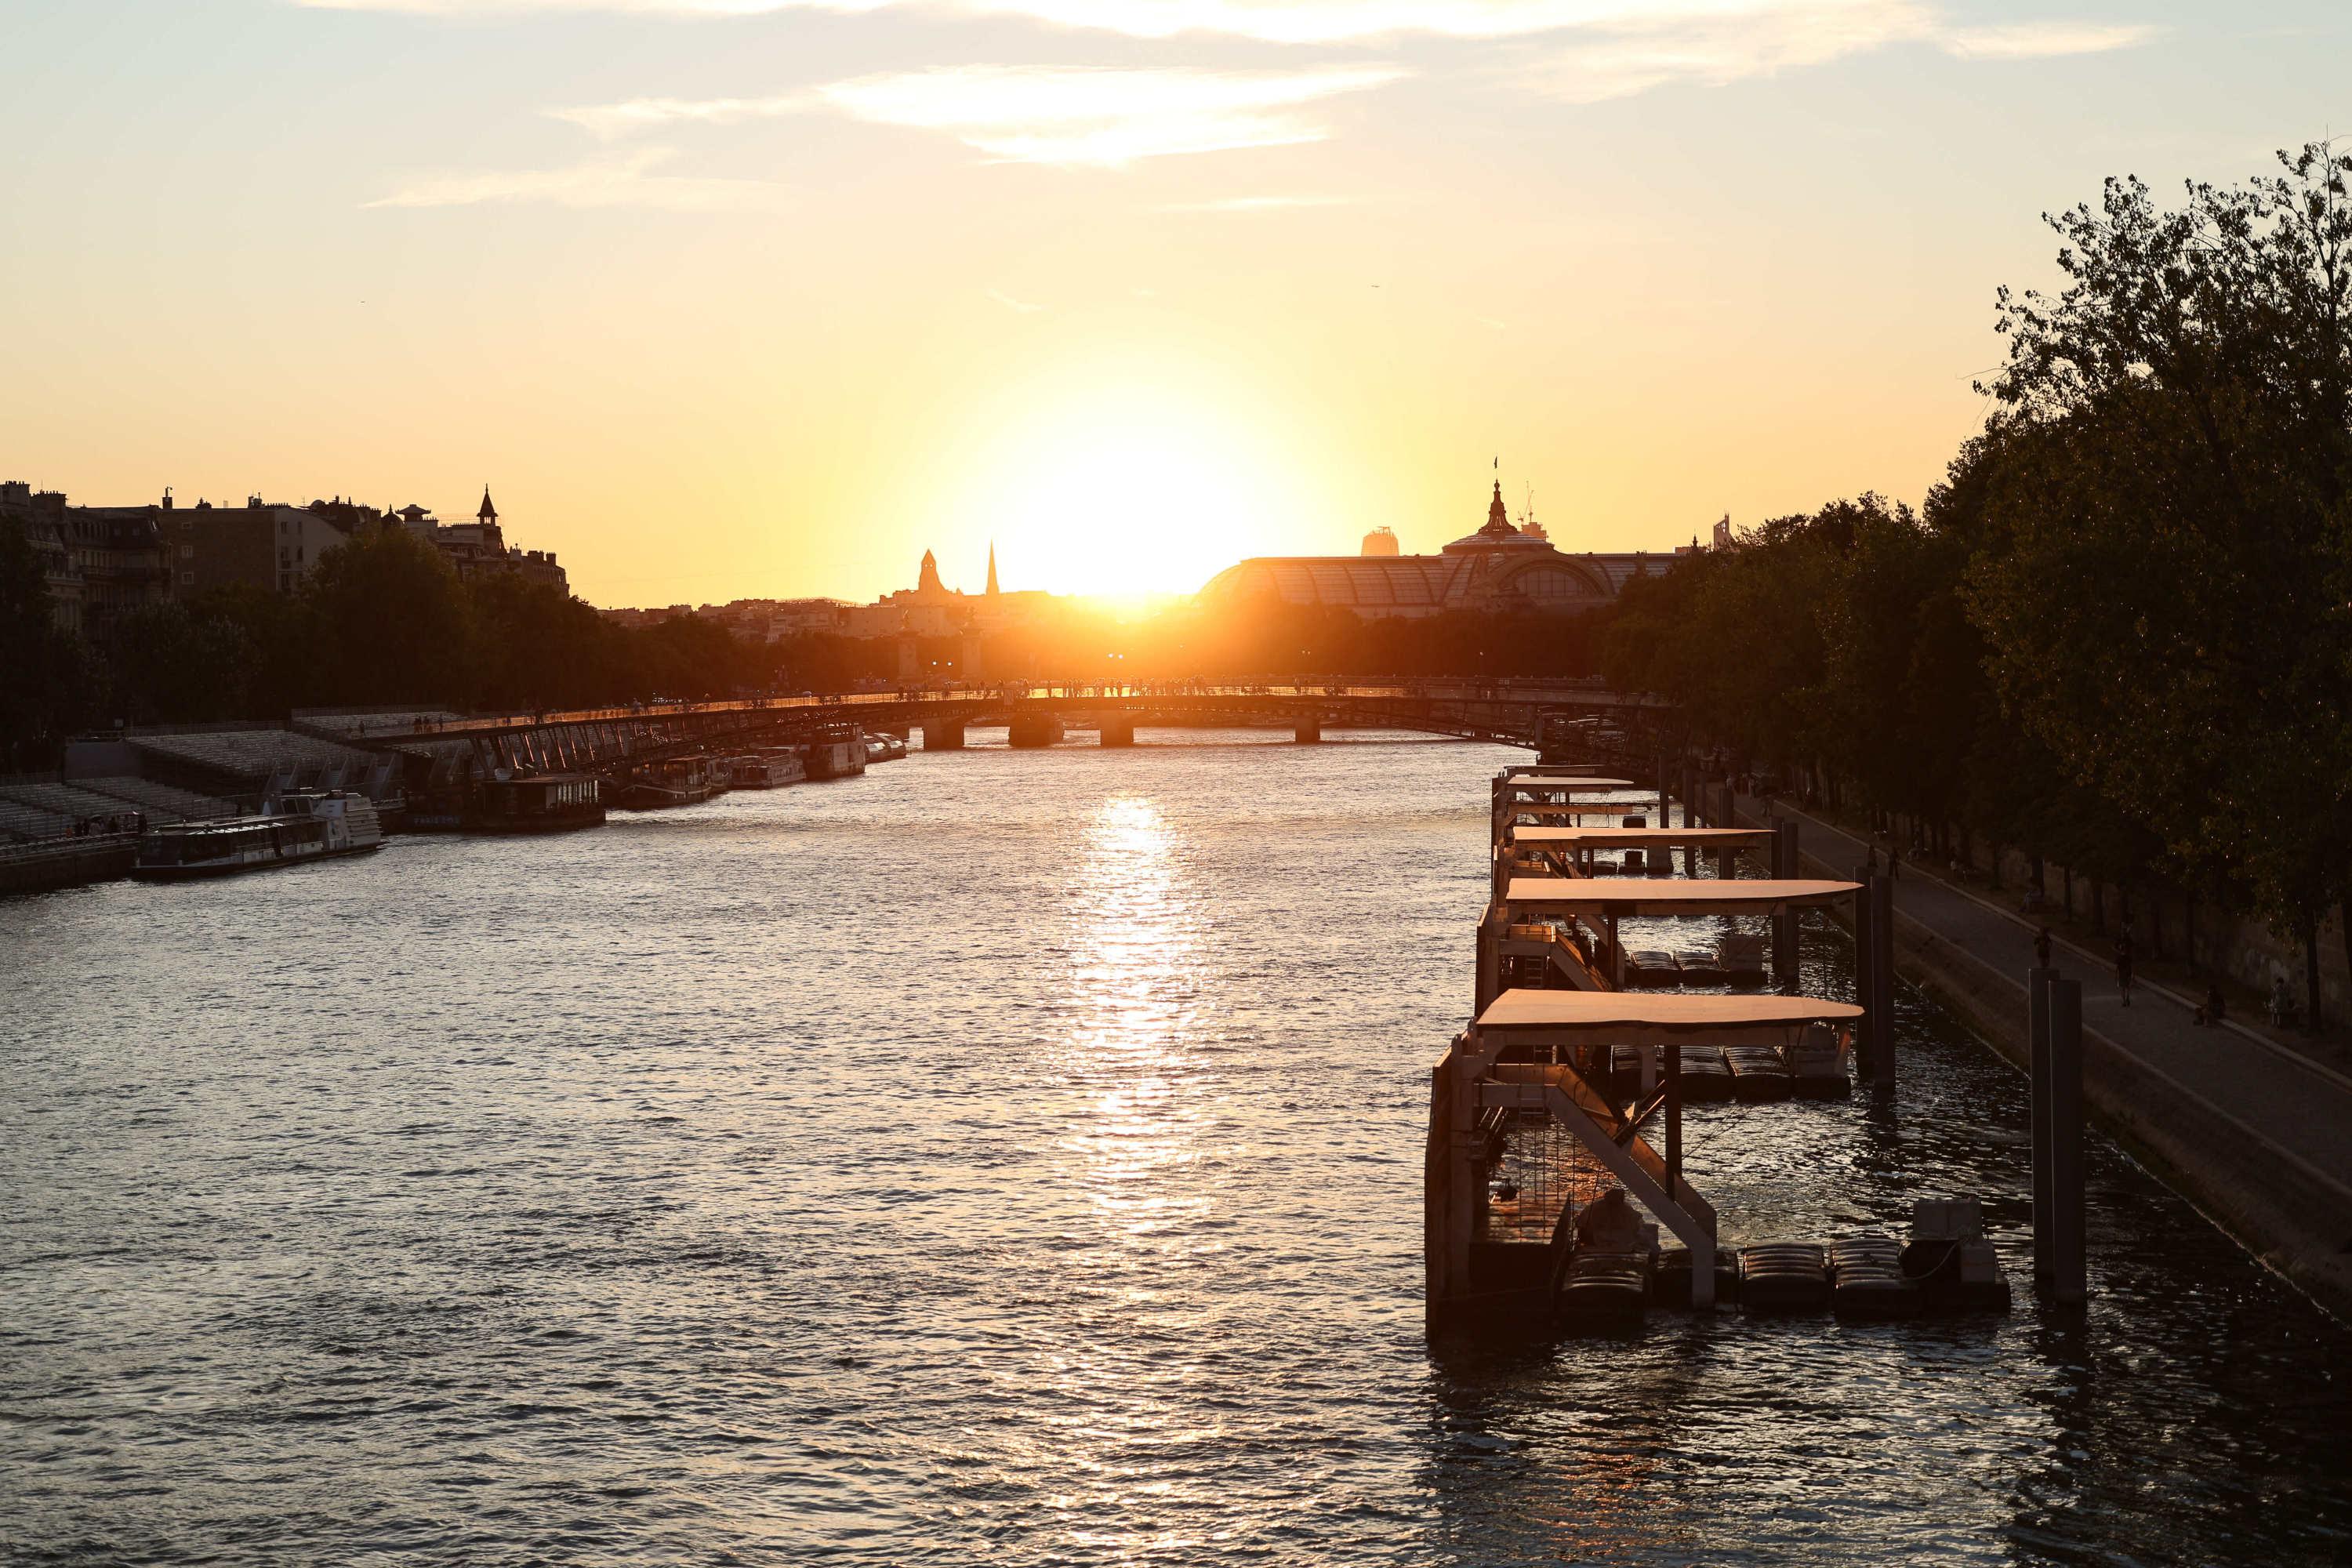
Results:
[1125, 480]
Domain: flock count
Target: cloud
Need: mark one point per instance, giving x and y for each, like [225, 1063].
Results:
[623, 181]
[2042, 41]
[1711, 22]
[1256, 204]
[1045, 114]
[1018, 307]
[1635, 53]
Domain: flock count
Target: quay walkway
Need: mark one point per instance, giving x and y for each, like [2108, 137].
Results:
[2256, 1133]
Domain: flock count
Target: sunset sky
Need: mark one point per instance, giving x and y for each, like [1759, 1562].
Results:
[728, 298]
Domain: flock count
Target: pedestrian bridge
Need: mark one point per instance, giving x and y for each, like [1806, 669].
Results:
[1514, 713]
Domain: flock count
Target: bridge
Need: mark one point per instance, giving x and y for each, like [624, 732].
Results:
[444, 753]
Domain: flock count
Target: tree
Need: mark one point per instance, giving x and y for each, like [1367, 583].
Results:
[43, 674]
[393, 623]
[2165, 592]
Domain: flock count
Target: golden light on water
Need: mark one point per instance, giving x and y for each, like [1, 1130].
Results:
[1134, 975]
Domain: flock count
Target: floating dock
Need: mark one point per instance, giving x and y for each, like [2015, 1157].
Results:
[1555, 1193]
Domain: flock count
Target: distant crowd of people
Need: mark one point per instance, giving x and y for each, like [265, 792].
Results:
[117, 822]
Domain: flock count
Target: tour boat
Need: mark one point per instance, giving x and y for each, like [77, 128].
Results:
[311, 826]
[537, 803]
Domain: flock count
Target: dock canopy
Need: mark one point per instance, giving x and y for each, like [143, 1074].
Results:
[1623, 896]
[1635, 1017]
[1640, 837]
[1551, 784]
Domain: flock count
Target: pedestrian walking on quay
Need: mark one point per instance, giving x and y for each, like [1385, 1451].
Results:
[2041, 948]
[2123, 966]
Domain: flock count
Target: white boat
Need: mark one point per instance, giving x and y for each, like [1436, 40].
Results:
[309, 826]
[765, 770]
[838, 752]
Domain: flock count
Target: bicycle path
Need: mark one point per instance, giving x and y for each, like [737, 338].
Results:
[2296, 1105]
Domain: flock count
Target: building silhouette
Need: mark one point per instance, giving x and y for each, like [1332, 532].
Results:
[1498, 566]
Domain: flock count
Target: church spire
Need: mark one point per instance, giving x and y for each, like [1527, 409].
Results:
[488, 512]
[991, 568]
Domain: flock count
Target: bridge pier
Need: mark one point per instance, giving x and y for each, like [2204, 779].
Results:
[939, 736]
[1308, 731]
[1118, 729]
[1032, 732]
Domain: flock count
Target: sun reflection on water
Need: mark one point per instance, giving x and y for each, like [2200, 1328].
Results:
[1141, 1111]
[1135, 983]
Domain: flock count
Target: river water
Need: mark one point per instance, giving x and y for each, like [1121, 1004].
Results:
[1002, 1158]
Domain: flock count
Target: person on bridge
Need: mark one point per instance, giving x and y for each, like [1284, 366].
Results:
[2124, 965]
[2041, 948]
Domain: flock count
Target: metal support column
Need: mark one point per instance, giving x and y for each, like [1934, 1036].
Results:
[1865, 953]
[2037, 1029]
[1784, 924]
[1882, 978]
[2068, 1271]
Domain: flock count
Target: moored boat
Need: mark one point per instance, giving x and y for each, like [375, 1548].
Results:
[765, 770]
[309, 826]
[837, 751]
[537, 803]
[674, 781]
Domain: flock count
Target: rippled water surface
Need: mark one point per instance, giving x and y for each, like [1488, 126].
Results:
[1002, 1158]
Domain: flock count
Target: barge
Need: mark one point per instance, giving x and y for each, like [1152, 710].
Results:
[537, 803]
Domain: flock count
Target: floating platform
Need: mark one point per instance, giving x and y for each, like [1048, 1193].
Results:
[1652, 968]
[1758, 1073]
[1857, 1278]
[1706, 1076]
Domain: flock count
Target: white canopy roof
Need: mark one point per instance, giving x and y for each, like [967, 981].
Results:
[1635, 1016]
[1667, 895]
[1625, 838]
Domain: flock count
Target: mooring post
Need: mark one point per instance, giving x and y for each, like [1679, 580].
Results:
[1882, 978]
[1784, 922]
[1865, 953]
[1488, 984]
[2037, 1028]
[2068, 1272]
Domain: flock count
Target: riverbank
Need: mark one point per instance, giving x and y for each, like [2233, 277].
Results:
[2256, 1135]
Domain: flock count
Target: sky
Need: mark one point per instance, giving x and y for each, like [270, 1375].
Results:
[741, 298]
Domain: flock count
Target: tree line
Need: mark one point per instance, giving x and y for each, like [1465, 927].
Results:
[2120, 632]
[382, 619]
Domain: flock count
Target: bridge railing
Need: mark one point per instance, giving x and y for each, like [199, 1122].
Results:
[1486, 692]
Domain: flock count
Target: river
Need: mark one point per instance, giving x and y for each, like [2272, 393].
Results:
[1001, 1158]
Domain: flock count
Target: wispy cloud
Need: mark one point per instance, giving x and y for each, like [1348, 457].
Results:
[1018, 307]
[617, 182]
[2041, 40]
[1045, 114]
[1256, 204]
[1353, 21]
[1633, 53]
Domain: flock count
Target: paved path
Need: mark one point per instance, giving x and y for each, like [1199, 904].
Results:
[2298, 1106]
